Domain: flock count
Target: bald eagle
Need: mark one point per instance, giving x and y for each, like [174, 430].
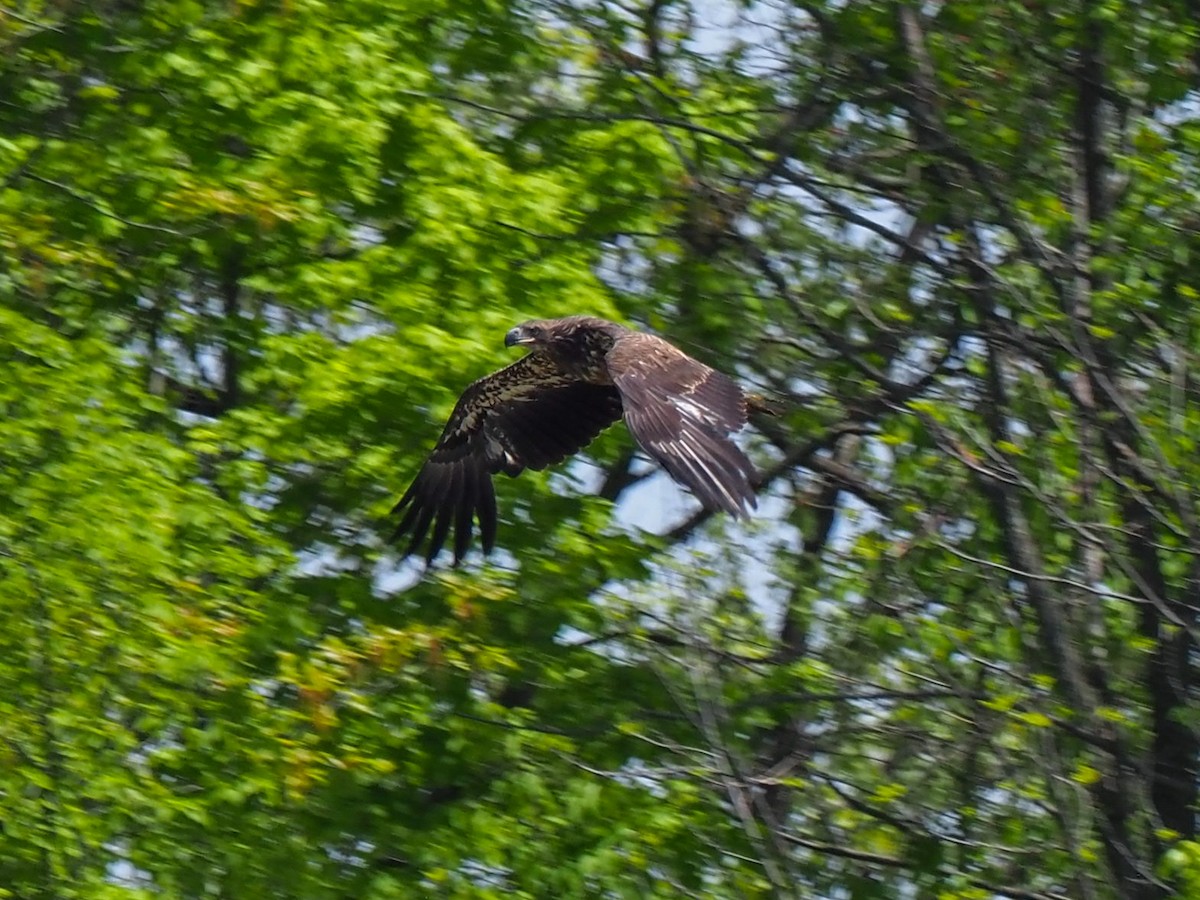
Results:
[581, 374]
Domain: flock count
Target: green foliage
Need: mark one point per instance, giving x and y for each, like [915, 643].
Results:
[251, 252]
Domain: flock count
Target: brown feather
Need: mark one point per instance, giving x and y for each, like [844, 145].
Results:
[682, 412]
[528, 415]
[581, 376]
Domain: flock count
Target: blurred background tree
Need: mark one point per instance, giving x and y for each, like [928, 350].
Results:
[251, 252]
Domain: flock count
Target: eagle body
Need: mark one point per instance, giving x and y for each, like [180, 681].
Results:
[582, 374]
[580, 345]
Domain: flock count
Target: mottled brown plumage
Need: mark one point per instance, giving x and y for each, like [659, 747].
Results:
[581, 374]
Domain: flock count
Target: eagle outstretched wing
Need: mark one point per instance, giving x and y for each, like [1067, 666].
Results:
[581, 374]
[528, 415]
[682, 412]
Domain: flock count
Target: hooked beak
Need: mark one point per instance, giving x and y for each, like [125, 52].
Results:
[516, 336]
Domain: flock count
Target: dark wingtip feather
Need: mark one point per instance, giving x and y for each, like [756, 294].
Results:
[418, 505]
[487, 514]
[528, 415]
[447, 501]
[410, 516]
[446, 498]
[740, 476]
[715, 470]
[424, 517]
[467, 502]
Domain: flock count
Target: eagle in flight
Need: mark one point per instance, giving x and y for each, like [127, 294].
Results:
[581, 374]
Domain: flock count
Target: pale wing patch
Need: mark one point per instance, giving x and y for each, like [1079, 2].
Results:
[682, 412]
[690, 409]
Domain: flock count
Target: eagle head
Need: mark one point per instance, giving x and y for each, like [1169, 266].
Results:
[531, 333]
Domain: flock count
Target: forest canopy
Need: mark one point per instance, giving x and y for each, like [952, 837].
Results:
[252, 252]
